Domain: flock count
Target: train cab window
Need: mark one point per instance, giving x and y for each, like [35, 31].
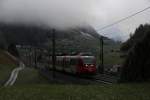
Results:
[88, 61]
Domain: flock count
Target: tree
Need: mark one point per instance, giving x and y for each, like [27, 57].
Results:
[2, 41]
[13, 50]
[137, 36]
[137, 64]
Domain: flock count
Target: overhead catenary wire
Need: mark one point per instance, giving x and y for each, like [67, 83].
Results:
[123, 19]
[107, 26]
[109, 33]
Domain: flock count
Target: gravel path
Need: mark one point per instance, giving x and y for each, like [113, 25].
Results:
[14, 75]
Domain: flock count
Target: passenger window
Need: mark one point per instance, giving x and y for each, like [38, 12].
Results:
[73, 62]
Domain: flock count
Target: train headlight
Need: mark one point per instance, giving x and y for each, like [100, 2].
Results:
[92, 65]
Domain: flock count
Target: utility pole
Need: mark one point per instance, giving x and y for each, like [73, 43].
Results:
[101, 67]
[102, 52]
[35, 57]
[53, 52]
[30, 56]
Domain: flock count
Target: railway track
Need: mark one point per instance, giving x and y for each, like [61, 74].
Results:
[75, 79]
[101, 79]
[106, 78]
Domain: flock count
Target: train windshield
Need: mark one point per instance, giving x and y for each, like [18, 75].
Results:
[88, 61]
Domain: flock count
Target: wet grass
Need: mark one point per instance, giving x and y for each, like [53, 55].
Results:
[112, 58]
[6, 66]
[30, 76]
[5, 72]
[111, 55]
[77, 92]
[5, 59]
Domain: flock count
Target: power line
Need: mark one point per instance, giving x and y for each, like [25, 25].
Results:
[123, 19]
[105, 34]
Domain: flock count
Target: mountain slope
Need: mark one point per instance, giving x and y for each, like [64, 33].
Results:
[79, 39]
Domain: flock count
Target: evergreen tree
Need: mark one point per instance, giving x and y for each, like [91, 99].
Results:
[137, 64]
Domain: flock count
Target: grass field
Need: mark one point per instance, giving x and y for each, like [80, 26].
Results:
[77, 92]
[5, 59]
[112, 58]
[30, 76]
[5, 71]
[111, 55]
[6, 66]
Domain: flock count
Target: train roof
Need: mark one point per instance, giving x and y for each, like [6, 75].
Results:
[74, 54]
[77, 56]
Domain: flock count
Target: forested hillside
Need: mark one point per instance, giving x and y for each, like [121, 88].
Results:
[140, 32]
[137, 64]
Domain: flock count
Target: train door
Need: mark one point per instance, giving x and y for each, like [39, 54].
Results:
[59, 63]
[67, 64]
[63, 63]
[73, 65]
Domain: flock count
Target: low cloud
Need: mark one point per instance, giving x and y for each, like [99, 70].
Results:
[71, 13]
[53, 13]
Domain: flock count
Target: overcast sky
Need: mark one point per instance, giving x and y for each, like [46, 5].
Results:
[70, 13]
[113, 10]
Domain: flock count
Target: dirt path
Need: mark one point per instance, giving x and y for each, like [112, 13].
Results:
[14, 75]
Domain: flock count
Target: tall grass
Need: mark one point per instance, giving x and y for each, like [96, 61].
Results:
[77, 92]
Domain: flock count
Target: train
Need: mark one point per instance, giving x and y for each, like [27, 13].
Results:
[75, 64]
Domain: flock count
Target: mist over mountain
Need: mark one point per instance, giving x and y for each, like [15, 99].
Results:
[51, 13]
[74, 13]
[81, 39]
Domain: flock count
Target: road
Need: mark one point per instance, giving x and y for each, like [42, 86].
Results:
[14, 74]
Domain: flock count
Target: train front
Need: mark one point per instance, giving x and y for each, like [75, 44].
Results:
[87, 65]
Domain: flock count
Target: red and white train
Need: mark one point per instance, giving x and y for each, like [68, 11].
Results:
[76, 64]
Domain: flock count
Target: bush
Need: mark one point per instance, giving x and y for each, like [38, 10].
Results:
[13, 50]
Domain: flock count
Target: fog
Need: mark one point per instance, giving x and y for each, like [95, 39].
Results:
[113, 10]
[64, 14]
[54, 13]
